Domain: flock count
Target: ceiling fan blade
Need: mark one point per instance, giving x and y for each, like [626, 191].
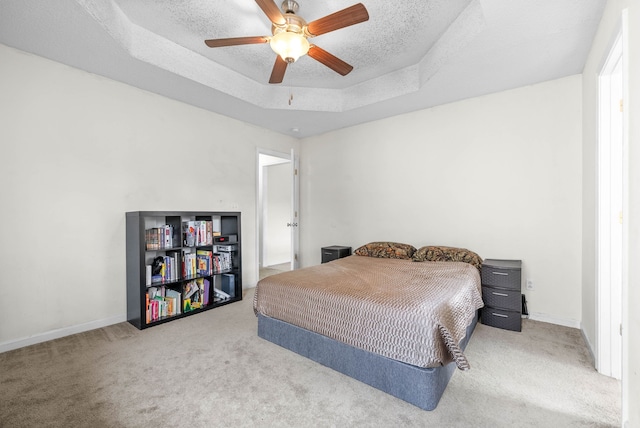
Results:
[343, 18]
[331, 61]
[272, 11]
[277, 74]
[233, 41]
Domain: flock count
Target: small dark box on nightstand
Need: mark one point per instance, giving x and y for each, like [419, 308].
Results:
[334, 252]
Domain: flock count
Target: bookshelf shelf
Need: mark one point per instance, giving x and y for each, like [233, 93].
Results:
[180, 264]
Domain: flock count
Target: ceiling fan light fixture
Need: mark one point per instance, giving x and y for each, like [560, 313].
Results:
[290, 32]
[289, 45]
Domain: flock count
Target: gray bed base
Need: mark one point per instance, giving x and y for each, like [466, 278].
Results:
[421, 387]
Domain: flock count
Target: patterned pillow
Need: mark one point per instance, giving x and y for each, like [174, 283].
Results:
[386, 250]
[447, 254]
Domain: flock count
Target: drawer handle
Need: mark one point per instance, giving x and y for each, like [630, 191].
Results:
[499, 294]
[499, 315]
[500, 273]
[328, 254]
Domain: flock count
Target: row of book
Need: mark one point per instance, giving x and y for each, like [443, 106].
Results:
[179, 264]
[194, 233]
[210, 263]
[159, 238]
[169, 268]
[198, 233]
[163, 302]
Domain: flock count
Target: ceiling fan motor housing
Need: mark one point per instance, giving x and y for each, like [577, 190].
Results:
[289, 6]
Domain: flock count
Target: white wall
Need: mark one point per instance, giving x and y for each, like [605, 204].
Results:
[78, 151]
[608, 28]
[498, 174]
[277, 234]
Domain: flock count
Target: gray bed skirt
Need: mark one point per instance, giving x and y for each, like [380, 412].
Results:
[421, 387]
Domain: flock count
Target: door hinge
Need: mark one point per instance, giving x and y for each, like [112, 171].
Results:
[621, 105]
[620, 217]
[295, 171]
[295, 214]
[295, 257]
[620, 329]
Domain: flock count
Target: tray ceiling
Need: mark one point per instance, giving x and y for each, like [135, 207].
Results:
[409, 55]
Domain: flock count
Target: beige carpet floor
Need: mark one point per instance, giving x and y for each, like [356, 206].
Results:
[274, 269]
[211, 370]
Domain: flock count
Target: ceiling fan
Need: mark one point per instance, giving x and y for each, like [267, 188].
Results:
[290, 33]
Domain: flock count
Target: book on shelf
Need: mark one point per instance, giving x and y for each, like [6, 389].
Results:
[209, 232]
[204, 232]
[221, 262]
[191, 294]
[204, 262]
[189, 265]
[170, 305]
[148, 314]
[201, 237]
[159, 238]
[168, 236]
[197, 233]
[152, 239]
[154, 292]
[166, 268]
[175, 297]
[229, 284]
[174, 260]
[161, 302]
[156, 308]
[160, 307]
[220, 295]
[205, 286]
[189, 233]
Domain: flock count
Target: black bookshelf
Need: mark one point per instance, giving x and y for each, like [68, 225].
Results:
[198, 262]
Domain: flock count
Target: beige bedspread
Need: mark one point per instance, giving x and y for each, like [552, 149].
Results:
[414, 312]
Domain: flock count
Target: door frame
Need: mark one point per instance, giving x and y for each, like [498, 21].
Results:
[605, 328]
[292, 159]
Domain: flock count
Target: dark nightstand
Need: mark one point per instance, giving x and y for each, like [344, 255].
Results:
[334, 252]
[502, 294]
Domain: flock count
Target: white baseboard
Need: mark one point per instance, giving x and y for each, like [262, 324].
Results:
[554, 320]
[589, 347]
[61, 332]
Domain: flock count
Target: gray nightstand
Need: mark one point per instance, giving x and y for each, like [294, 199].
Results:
[334, 252]
[502, 294]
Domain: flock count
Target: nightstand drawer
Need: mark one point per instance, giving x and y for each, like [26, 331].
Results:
[502, 298]
[501, 277]
[508, 320]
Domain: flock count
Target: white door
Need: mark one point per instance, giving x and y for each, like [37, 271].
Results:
[278, 214]
[612, 187]
[295, 217]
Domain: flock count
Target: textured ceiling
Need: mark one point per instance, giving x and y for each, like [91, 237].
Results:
[409, 55]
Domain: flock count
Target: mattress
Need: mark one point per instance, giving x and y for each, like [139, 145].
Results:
[412, 312]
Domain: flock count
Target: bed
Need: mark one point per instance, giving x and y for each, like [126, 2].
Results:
[395, 322]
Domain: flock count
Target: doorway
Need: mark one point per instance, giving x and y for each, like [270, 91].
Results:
[276, 249]
[612, 205]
